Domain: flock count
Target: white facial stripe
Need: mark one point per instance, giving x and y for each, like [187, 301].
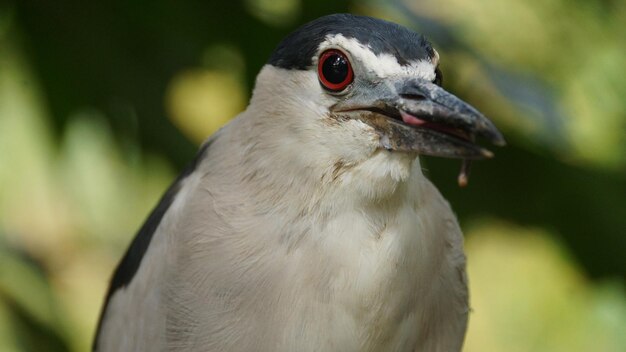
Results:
[383, 65]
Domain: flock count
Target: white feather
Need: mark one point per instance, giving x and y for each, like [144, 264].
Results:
[297, 233]
[383, 65]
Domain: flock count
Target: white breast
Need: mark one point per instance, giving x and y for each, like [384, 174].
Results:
[395, 275]
[365, 265]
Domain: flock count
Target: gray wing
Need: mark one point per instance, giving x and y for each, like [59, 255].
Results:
[129, 265]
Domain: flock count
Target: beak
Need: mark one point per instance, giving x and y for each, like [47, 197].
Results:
[415, 115]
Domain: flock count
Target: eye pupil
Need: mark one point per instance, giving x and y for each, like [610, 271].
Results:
[335, 69]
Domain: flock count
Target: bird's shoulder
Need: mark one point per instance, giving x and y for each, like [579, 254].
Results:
[130, 263]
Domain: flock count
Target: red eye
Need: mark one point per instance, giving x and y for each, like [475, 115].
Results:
[334, 70]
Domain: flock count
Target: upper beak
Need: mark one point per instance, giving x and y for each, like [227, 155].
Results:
[419, 116]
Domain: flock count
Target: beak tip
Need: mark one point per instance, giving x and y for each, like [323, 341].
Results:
[491, 132]
[497, 139]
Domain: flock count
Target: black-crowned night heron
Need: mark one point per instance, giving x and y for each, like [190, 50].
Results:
[306, 223]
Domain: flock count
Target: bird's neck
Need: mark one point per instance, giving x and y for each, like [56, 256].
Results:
[305, 170]
[341, 236]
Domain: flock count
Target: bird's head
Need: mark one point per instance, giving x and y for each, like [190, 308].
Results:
[356, 86]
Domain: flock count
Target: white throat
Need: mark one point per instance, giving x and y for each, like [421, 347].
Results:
[312, 145]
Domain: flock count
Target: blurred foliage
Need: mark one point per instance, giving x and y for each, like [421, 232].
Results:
[535, 298]
[100, 103]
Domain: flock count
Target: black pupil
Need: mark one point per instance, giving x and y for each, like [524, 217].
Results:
[335, 69]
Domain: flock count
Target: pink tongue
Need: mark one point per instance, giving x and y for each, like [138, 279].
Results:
[411, 120]
[416, 121]
[463, 178]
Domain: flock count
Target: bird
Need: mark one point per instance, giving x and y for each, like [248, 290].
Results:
[306, 222]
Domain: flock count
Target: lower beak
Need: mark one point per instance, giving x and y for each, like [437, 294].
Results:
[415, 115]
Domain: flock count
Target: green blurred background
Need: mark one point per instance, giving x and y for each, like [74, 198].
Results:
[102, 103]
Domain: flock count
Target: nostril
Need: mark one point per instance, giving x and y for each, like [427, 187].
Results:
[413, 96]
